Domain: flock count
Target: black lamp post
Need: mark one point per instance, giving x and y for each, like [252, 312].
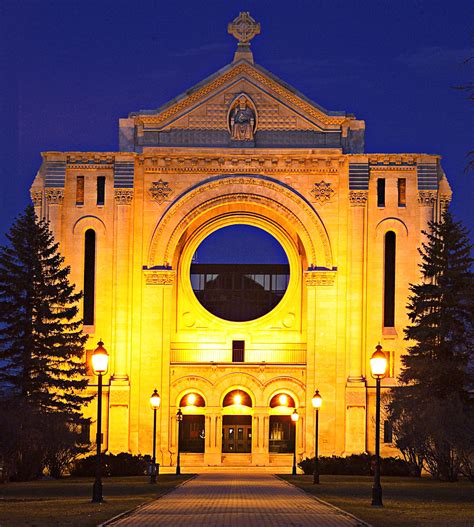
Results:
[378, 365]
[155, 401]
[294, 418]
[100, 361]
[317, 402]
[179, 418]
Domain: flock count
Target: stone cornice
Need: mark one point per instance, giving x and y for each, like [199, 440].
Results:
[242, 163]
[320, 278]
[36, 197]
[159, 276]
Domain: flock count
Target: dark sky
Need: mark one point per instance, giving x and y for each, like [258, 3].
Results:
[70, 69]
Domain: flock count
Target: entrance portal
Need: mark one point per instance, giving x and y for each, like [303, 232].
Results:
[237, 434]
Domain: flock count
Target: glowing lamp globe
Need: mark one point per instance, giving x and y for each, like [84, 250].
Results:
[191, 399]
[100, 359]
[378, 362]
[283, 399]
[155, 400]
[295, 416]
[317, 400]
[237, 399]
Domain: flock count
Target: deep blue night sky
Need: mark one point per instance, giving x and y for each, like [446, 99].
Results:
[70, 69]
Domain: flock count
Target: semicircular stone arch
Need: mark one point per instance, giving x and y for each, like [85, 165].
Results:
[284, 383]
[217, 197]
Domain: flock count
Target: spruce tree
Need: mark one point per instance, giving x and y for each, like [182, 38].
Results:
[41, 339]
[437, 375]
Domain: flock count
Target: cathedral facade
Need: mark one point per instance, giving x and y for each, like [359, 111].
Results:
[239, 348]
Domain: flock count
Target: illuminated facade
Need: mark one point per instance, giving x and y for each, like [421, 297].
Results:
[241, 147]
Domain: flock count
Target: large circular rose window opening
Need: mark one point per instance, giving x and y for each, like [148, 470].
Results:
[239, 273]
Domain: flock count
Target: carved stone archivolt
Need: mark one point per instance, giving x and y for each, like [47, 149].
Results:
[123, 196]
[36, 197]
[54, 196]
[159, 277]
[358, 198]
[426, 198]
[320, 278]
[160, 191]
[322, 192]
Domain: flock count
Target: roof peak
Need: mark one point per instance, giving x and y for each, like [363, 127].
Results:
[244, 28]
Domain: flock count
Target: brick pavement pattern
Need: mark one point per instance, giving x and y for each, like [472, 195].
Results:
[237, 500]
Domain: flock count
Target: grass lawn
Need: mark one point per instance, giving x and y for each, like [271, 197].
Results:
[408, 502]
[67, 502]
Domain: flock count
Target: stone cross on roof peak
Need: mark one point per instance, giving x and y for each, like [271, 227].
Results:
[244, 28]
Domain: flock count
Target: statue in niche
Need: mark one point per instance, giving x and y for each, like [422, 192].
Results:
[242, 121]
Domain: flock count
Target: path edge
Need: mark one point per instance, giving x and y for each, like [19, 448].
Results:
[361, 523]
[124, 514]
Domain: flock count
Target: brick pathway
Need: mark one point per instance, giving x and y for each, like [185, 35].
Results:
[237, 500]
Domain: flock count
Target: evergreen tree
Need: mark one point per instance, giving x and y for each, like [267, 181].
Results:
[41, 339]
[437, 370]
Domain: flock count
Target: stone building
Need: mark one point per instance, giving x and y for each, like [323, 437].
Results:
[241, 147]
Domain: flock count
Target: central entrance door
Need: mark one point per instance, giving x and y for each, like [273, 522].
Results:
[237, 434]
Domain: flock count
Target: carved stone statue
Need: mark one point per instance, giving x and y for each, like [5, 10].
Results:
[242, 121]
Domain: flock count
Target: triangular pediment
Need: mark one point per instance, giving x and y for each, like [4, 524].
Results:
[202, 115]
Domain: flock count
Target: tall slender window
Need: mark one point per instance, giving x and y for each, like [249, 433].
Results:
[238, 350]
[381, 192]
[80, 190]
[100, 190]
[402, 192]
[389, 281]
[89, 277]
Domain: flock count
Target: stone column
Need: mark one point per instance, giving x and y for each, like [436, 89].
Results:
[260, 454]
[212, 455]
[119, 402]
[355, 425]
[54, 210]
[427, 202]
[37, 199]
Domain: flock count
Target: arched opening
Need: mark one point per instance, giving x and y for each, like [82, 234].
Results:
[192, 425]
[239, 273]
[282, 429]
[389, 280]
[89, 277]
[237, 423]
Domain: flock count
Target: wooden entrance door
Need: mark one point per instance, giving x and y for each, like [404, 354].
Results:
[237, 434]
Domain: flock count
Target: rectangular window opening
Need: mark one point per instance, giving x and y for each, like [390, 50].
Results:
[100, 190]
[80, 190]
[381, 192]
[402, 192]
[238, 350]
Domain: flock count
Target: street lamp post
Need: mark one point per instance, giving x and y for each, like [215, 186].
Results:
[378, 365]
[294, 418]
[100, 361]
[179, 418]
[155, 401]
[317, 402]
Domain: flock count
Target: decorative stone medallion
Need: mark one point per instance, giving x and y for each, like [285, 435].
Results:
[160, 190]
[322, 192]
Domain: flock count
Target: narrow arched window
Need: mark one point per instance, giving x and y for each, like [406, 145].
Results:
[89, 277]
[389, 280]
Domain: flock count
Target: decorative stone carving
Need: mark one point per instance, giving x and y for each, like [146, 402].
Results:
[54, 196]
[123, 196]
[160, 190]
[242, 120]
[320, 278]
[358, 198]
[444, 201]
[322, 192]
[426, 198]
[159, 277]
[36, 197]
[244, 28]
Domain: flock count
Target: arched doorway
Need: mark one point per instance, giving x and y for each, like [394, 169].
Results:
[237, 423]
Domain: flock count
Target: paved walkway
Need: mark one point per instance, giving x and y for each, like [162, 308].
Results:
[237, 500]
